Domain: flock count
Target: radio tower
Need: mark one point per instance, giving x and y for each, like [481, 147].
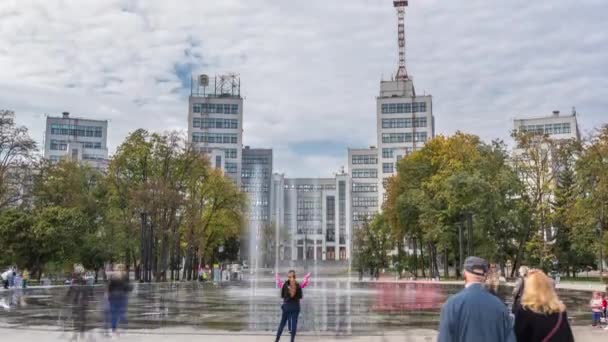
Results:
[401, 70]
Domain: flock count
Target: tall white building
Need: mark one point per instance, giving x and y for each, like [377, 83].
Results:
[363, 169]
[215, 121]
[404, 123]
[76, 138]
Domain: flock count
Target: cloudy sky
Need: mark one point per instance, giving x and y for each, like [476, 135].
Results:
[310, 70]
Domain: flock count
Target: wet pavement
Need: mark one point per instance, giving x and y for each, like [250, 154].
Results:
[329, 308]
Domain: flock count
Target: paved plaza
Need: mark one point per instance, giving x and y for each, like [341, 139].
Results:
[586, 334]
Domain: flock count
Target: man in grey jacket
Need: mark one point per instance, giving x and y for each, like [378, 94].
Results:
[474, 314]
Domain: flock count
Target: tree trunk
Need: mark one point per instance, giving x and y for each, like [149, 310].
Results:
[415, 243]
[422, 259]
[520, 250]
[446, 268]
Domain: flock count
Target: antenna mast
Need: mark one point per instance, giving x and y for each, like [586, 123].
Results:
[401, 70]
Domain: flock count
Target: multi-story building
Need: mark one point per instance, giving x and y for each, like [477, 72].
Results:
[404, 123]
[316, 220]
[363, 169]
[256, 177]
[215, 122]
[556, 126]
[76, 138]
[536, 163]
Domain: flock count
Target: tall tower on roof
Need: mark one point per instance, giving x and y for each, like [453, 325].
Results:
[401, 69]
[404, 120]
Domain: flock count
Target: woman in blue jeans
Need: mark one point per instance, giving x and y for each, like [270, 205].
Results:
[291, 294]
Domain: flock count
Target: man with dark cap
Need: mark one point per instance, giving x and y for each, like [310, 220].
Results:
[474, 314]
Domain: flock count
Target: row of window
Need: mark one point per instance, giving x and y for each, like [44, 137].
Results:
[76, 130]
[392, 108]
[365, 173]
[365, 187]
[62, 145]
[256, 160]
[365, 159]
[365, 201]
[309, 204]
[387, 167]
[215, 138]
[215, 123]
[222, 108]
[403, 123]
[252, 173]
[92, 157]
[557, 128]
[360, 216]
[391, 138]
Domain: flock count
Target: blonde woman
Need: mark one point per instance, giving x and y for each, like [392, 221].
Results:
[542, 316]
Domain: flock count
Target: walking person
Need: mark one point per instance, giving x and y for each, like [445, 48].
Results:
[5, 278]
[291, 292]
[474, 314]
[518, 289]
[118, 289]
[541, 316]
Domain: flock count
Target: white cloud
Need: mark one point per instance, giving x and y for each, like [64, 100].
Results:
[310, 70]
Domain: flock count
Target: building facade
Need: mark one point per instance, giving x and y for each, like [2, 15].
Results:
[404, 123]
[313, 218]
[77, 139]
[215, 122]
[556, 126]
[363, 170]
[256, 179]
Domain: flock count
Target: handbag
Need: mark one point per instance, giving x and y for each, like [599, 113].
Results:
[559, 322]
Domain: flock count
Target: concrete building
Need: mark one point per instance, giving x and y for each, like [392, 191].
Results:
[404, 123]
[556, 126]
[76, 138]
[314, 218]
[256, 179]
[215, 121]
[363, 169]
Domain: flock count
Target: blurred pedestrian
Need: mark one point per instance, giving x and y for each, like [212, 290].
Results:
[474, 314]
[518, 289]
[493, 281]
[26, 277]
[541, 316]
[291, 294]
[78, 296]
[118, 289]
[5, 278]
[596, 309]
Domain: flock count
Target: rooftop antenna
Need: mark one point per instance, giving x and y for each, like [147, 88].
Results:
[401, 70]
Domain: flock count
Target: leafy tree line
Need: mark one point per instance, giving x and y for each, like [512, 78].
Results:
[543, 204]
[158, 203]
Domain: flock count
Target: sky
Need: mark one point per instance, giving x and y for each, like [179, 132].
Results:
[310, 70]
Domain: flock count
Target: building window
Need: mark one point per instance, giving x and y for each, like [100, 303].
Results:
[196, 107]
[215, 123]
[365, 173]
[403, 122]
[218, 162]
[365, 187]
[230, 167]
[388, 152]
[406, 107]
[76, 130]
[230, 153]
[59, 145]
[387, 167]
[385, 182]
[215, 138]
[367, 159]
[92, 145]
[365, 201]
